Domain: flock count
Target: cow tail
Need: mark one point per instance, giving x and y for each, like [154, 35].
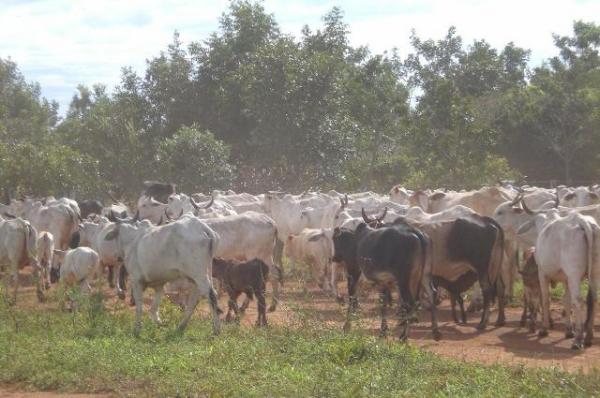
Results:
[30, 243]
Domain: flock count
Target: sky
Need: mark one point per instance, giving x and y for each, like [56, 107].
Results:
[62, 43]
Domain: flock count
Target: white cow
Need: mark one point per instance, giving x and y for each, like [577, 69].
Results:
[578, 197]
[78, 267]
[155, 256]
[567, 249]
[315, 248]
[93, 235]
[150, 209]
[45, 252]
[18, 240]
[245, 237]
[59, 219]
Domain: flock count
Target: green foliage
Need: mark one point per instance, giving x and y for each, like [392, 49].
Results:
[194, 160]
[253, 109]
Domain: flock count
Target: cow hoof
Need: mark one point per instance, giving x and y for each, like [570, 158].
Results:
[569, 334]
[121, 295]
[480, 326]
[522, 323]
[340, 299]
[542, 333]
[272, 307]
[383, 333]
[500, 322]
[437, 336]
[576, 346]
[347, 327]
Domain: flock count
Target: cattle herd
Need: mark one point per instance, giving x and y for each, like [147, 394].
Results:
[408, 244]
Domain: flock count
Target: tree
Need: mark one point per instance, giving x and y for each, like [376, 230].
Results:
[195, 160]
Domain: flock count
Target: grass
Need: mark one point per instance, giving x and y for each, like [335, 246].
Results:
[93, 350]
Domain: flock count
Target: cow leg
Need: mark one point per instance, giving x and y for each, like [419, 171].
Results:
[137, 291]
[202, 287]
[275, 283]
[453, 307]
[524, 317]
[15, 276]
[509, 267]
[545, 295]
[592, 296]
[432, 293]
[577, 302]
[487, 298]
[6, 283]
[568, 313]
[353, 301]
[461, 304]
[334, 285]
[154, 309]
[383, 303]
[111, 277]
[121, 282]
[262, 308]
[39, 282]
[500, 291]
[532, 317]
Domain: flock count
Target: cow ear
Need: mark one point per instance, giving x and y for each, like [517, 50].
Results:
[336, 232]
[437, 196]
[593, 195]
[569, 196]
[290, 238]
[518, 210]
[112, 235]
[525, 227]
[396, 189]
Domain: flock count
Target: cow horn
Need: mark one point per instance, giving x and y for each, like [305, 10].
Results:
[556, 199]
[365, 217]
[198, 207]
[137, 215]
[156, 201]
[527, 209]
[380, 219]
[517, 199]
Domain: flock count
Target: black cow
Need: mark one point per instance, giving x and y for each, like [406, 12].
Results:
[88, 207]
[158, 190]
[391, 257]
[248, 277]
[464, 251]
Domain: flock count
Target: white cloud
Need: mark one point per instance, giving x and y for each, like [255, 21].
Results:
[61, 43]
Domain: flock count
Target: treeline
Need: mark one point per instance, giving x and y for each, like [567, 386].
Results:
[253, 108]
